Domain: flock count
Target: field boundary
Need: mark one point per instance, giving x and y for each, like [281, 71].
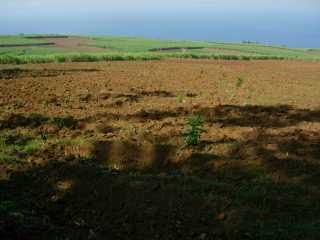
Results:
[47, 36]
[87, 57]
[26, 45]
[174, 48]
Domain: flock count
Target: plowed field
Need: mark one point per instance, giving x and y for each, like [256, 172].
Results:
[97, 151]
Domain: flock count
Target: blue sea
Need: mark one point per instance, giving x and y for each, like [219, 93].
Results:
[292, 30]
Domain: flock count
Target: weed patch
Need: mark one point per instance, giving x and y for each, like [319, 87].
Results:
[65, 122]
[193, 133]
[239, 82]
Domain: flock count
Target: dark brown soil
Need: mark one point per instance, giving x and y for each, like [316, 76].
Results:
[14, 72]
[129, 175]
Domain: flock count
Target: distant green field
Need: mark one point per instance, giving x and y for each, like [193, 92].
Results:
[140, 45]
[27, 51]
[18, 40]
[102, 48]
[127, 44]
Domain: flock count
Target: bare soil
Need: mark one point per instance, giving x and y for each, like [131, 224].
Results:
[74, 44]
[256, 170]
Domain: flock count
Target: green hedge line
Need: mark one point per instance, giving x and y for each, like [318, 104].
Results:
[61, 58]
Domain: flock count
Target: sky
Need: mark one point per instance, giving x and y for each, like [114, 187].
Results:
[124, 8]
[289, 22]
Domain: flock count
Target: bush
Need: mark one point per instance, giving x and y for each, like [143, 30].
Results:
[193, 133]
[119, 56]
[239, 82]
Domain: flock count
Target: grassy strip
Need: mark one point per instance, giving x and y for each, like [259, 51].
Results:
[18, 40]
[96, 57]
[127, 44]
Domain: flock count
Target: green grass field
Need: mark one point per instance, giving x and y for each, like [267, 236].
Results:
[142, 45]
[17, 40]
[102, 48]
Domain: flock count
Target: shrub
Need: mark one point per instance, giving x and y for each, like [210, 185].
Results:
[193, 133]
[180, 98]
[120, 56]
[239, 82]
[61, 58]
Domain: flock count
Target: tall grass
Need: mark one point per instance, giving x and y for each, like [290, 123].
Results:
[96, 57]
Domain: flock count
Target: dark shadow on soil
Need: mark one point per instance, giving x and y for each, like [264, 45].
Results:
[153, 115]
[289, 155]
[134, 96]
[13, 73]
[231, 115]
[259, 116]
[120, 193]
[266, 188]
[83, 201]
[157, 93]
[35, 120]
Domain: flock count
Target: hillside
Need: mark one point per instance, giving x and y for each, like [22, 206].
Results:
[55, 48]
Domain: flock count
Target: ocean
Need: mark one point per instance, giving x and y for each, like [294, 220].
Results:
[302, 31]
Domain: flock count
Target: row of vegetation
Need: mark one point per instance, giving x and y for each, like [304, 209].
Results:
[96, 57]
[126, 48]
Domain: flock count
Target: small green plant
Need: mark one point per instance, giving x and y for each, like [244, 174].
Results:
[7, 206]
[71, 141]
[45, 104]
[6, 158]
[239, 82]
[193, 133]
[32, 147]
[14, 147]
[44, 136]
[180, 99]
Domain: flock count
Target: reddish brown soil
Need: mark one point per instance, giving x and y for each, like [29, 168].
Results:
[133, 116]
[73, 44]
[127, 88]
